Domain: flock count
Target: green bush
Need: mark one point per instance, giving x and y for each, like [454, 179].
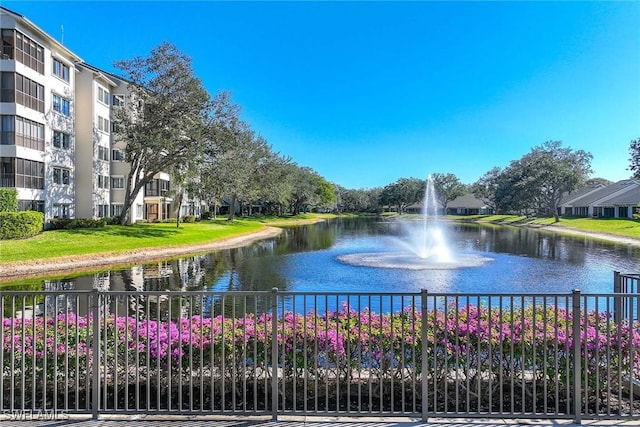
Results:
[113, 220]
[18, 225]
[8, 200]
[206, 215]
[71, 224]
[189, 218]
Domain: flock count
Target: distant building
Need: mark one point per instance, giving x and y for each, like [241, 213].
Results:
[618, 200]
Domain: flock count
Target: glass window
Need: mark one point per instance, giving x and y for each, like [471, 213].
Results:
[103, 124]
[61, 140]
[117, 182]
[61, 105]
[60, 70]
[117, 100]
[103, 96]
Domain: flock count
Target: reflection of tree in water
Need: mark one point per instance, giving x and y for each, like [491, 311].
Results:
[526, 241]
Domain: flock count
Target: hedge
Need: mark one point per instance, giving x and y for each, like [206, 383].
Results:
[8, 200]
[17, 225]
[70, 224]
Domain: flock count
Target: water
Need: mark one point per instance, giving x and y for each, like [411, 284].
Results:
[421, 245]
[307, 259]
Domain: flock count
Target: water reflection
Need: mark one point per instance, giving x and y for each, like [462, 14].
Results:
[305, 259]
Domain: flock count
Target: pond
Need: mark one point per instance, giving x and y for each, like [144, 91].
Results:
[308, 258]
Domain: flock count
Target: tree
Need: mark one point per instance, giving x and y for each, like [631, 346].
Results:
[634, 151]
[448, 187]
[309, 189]
[402, 193]
[486, 188]
[163, 121]
[549, 171]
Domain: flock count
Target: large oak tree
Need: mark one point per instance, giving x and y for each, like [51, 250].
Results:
[163, 121]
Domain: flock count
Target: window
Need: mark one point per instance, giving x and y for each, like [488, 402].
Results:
[61, 140]
[61, 105]
[31, 205]
[16, 45]
[103, 153]
[117, 182]
[23, 132]
[103, 124]
[61, 176]
[103, 211]
[156, 187]
[60, 70]
[116, 209]
[15, 87]
[29, 173]
[139, 211]
[103, 96]
[61, 210]
[7, 172]
[117, 155]
[117, 100]
[103, 181]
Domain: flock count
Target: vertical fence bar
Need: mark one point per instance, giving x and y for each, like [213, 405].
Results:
[617, 302]
[95, 353]
[577, 359]
[423, 349]
[274, 354]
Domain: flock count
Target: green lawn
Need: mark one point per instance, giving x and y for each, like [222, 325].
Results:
[113, 238]
[116, 239]
[619, 227]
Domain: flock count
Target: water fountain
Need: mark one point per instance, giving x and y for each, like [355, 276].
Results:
[422, 245]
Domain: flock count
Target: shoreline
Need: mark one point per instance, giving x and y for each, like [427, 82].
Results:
[85, 263]
[75, 264]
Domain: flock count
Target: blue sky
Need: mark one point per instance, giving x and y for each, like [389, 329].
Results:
[369, 92]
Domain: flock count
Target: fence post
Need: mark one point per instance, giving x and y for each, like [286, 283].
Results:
[617, 301]
[577, 359]
[274, 354]
[423, 349]
[95, 354]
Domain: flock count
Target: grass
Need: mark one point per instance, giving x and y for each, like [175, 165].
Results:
[118, 239]
[614, 226]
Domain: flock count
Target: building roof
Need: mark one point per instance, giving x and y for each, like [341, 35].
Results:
[99, 74]
[33, 27]
[631, 197]
[574, 195]
[605, 194]
[468, 201]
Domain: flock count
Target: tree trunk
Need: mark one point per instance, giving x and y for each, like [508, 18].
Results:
[180, 198]
[232, 208]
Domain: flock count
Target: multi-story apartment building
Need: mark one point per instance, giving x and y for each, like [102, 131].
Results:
[57, 144]
[37, 110]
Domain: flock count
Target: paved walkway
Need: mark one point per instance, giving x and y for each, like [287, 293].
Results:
[196, 421]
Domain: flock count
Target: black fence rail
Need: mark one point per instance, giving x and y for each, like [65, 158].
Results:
[349, 354]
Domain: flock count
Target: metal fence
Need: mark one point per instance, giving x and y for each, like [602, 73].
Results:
[348, 354]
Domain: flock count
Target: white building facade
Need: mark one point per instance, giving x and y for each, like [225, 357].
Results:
[37, 124]
[57, 144]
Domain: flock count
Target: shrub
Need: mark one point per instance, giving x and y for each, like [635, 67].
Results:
[8, 200]
[189, 218]
[113, 220]
[205, 215]
[17, 225]
[71, 224]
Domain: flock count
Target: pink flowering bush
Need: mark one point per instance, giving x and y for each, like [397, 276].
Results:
[475, 343]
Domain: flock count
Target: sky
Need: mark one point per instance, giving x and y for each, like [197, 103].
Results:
[366, 93]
